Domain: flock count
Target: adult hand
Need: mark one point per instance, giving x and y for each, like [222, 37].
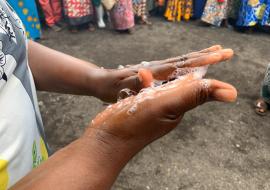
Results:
[129, 125]
[115, 80]
[124, 128]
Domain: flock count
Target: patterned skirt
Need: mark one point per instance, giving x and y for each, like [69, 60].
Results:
[122, 16]
[178, 9]
[215, 12]
[254, 12]
[78, 12]
[139, 8]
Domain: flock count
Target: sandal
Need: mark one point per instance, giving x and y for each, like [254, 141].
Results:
[145, 22]
[261, 107]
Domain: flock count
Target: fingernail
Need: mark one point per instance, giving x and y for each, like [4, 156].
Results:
[225, 95]
[227, 53]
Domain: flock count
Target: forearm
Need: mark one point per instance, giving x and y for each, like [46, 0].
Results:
[88, 163]
[57, 72]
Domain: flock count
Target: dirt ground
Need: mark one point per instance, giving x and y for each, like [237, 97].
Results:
[217, 146]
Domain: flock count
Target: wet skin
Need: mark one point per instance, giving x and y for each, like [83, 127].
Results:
[124, 128]
[128, 77]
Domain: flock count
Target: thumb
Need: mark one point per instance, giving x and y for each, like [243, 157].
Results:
[188, 94]
[143, 79]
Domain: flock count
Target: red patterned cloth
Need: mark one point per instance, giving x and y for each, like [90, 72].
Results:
[78, 8]
[122, 15]
[52, 11]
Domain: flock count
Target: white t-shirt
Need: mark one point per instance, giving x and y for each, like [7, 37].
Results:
[22, 145]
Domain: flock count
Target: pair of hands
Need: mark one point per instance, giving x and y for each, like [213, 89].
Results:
[138, 120]
[120, 131]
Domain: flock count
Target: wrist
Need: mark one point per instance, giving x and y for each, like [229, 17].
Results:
[104, 155]
[108, 146]
[103, 84]
[94, 82]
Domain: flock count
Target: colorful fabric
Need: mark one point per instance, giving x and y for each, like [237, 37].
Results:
[234, 8]
[27, 12]
[178, 9]
[254, 12]
[198, 7]
[215, 12]
[139, 8]
[78, 12]
[122, 16]
[22, 145]
[52, 10]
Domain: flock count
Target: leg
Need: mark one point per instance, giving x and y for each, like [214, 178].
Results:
[261, 104]
[57, 9]
[144, 14]
[100, 13]
[48, 12]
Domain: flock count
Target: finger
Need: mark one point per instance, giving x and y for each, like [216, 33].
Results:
[161, 72]
[133, 83]
[124, 73]
[223, 92]
[208, 59]
[200, 72]
[203, 52]
[200, 53]
[187, 95]
[168, 71]
[164, 71]
[188, 56]
[143, 79]
[211, 49]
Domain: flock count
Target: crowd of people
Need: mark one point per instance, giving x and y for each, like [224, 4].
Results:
[114, 136]
[122, 14]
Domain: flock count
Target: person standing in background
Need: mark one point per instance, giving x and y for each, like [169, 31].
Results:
[234, 9]
[254, 12]
[79, 13]
[53, 13]
[216, 11]
[178, 9]
[29, 15]
[122, 16]
[99, 13]
[198, 7]
[141, 11]
[262, 104]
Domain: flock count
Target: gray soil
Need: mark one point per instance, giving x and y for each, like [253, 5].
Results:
[217, 146]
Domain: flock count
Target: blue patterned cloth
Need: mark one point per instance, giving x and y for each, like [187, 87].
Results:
[27, 11]
[198, 7]
[254, 12]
